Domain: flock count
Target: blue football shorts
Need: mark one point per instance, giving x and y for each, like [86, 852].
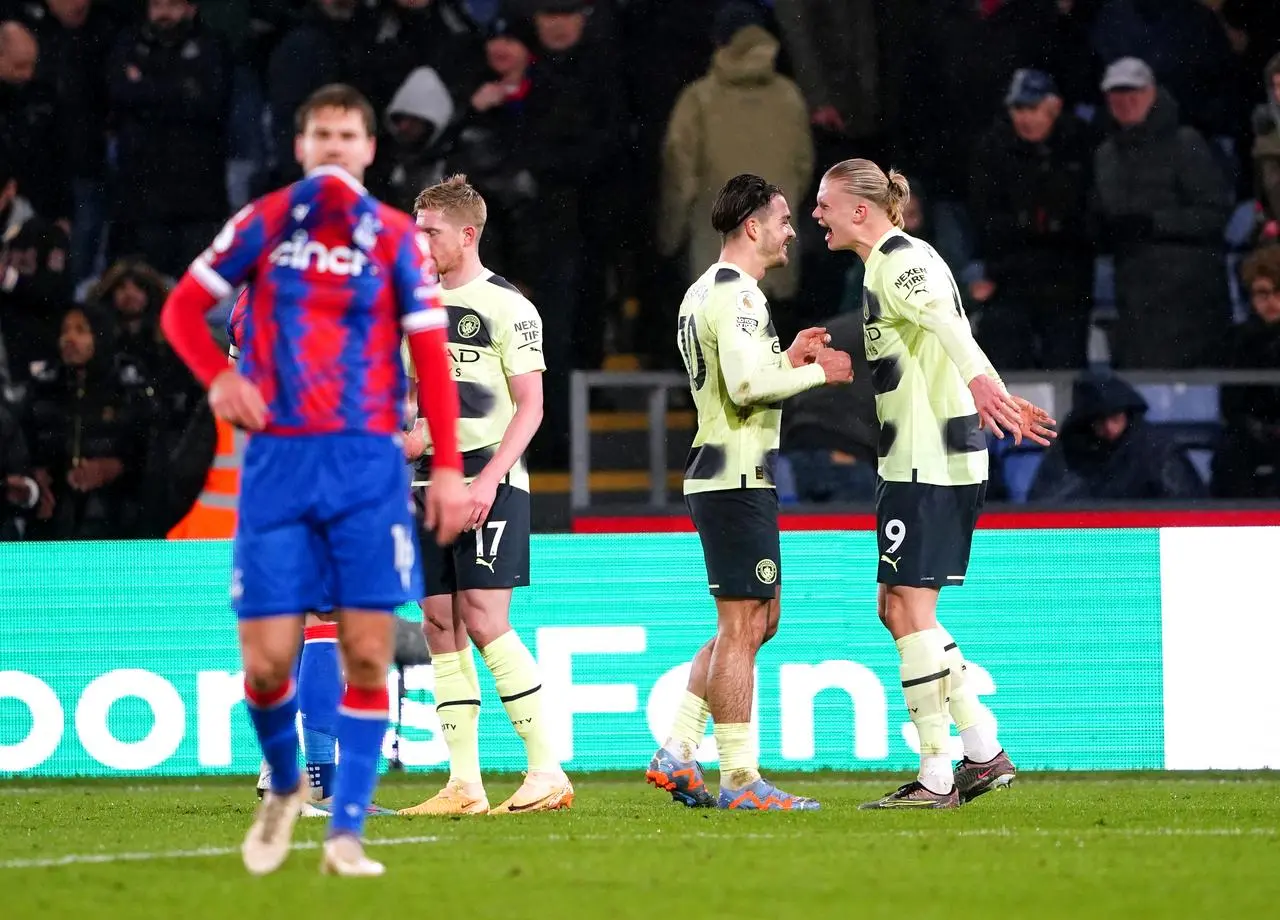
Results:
[325, 522]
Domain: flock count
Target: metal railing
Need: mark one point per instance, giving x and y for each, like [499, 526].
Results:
[1051, 389]
[658, 383]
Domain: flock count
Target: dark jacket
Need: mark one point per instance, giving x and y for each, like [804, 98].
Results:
[1266, 147]
[406, 168]
[397, 41]
[1184, 44]
[486, 147]
[31, 311]
[1141, 464]
[176, 391]
[959, 69]
[314, 52]
[170, 123]
[15, 460]
[98, 412]
[1247, 464]
[72, 62]
[30, 138]
[1029, 204]
[573, 116]
[837, 418]
[1162, 202]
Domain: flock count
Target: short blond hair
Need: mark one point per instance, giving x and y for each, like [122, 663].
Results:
[454, 198]
[863, 178]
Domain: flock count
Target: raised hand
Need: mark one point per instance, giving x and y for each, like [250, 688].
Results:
[804, 350]
[998, 412]
[837, 365]
[1034, 423]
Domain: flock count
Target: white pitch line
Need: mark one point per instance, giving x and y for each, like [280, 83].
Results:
[77, 859]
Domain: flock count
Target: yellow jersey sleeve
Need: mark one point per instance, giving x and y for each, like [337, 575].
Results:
[520, 340]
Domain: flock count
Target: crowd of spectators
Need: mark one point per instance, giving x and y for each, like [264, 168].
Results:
[1103, 176]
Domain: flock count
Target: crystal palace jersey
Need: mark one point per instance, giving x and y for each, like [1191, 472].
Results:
[235, 324]
[334, 276]
[922, 356]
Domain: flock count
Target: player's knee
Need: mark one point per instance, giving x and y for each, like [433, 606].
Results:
[882, 607]
[772, 618]
[366, 657]
[266, 670]
[437, 616]
[485, 620]
[744, 624]
[770, 630]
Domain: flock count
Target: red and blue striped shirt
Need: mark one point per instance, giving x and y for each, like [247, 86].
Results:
[334, 277]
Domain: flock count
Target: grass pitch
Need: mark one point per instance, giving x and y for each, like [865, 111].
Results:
[1055, 846]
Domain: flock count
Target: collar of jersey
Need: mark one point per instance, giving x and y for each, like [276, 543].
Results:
[485, 275]
[875, 250]
[340, 173]
[737, 268]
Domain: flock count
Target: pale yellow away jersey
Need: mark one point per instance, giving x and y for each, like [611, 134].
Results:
[494, 334]
[739, 376]
[922, 355]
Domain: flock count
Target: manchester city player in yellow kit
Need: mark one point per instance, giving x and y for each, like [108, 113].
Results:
[739, 376]
[495, 346]
[935, 392]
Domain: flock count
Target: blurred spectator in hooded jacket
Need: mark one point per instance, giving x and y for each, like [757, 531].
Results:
[742, 117]
[417, 120]
[1107, 451]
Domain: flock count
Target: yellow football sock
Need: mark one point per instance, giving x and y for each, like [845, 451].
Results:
[689, 727]
[926, 682]
[468, 662]
[974, 721]
[458, 706]
[516, 675]
[739, 764]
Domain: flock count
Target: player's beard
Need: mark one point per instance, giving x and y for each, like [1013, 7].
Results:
[777, 256]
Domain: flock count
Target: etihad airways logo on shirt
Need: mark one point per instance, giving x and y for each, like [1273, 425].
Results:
[301, 253]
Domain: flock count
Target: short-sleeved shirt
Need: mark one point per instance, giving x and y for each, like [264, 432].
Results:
[335, 277]
[495, 334]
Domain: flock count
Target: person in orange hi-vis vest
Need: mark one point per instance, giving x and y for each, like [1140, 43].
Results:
[213, 516]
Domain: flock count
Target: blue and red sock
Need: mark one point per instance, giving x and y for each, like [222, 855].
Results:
[319, 690]
[362, 723]
[274, 715]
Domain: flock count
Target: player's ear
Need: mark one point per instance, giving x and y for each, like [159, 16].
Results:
[298, 148]
[371, 152]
